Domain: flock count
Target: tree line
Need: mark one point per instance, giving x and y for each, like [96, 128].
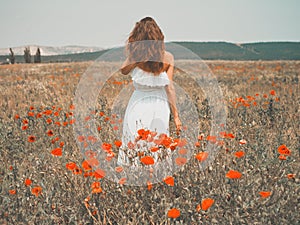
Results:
[27, 56]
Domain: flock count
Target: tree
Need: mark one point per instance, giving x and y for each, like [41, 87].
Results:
[27, 55]
[11, 56]
[37, 56]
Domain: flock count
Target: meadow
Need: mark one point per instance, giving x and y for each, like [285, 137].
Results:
[254, 177]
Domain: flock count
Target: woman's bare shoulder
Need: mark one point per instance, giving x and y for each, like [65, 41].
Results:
[169, 58]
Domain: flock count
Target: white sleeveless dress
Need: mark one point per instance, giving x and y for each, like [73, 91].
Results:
[148, 108]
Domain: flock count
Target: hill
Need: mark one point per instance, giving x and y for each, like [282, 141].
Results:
[205, 50]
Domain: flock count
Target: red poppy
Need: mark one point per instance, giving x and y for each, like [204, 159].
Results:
[180, 161]
[182, 151]
[36, 191]
[24, 127]
[147, 160]
[265, 194]
[143, 133]
[12, 192]
[119, 169]
[86, 166]
[173, 213]
[71, 166]
[282, 157]
[207, 203]
[169, 181]
[233, 174]
[31, 114]
[118, 143]
[99, 174]
[282, 149]
[149, 185]
[27, 182]
[50, 133]
[202, 156]
[239, 154]
[272, 92]
[57, 152]
[106, 147]
[242, 142]
[122, 180]
[31, 138]
[154, 149]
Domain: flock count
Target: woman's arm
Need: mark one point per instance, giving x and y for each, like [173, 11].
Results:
[170, 90]
[127, 67]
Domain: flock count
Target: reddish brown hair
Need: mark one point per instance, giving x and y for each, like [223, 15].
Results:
[147, 55]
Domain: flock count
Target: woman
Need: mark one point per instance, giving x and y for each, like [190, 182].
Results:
[152, 73]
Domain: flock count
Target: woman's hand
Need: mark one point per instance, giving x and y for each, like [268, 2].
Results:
[178, 124]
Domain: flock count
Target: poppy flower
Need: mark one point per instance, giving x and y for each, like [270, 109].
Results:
[119, 169]
[106, 147]
[50, 133]
[90, 154]
[57, 152]
[25, 121]
[282, 157]
[99, 174]
[212, 139]
[265, 194]
[71, 166]
[149, 185]
[143, 133]
[72, 121]
[24, 127]
[122, 180]
[31, 114]
[182, 151]
[239, 154]
[31, 138]
[81, 138]
[17, 116]
[180, 161]
[93, 161]
[233, 174]
[39, 115]
[27, 182]
[101, 114]
[72, 107]
[207, 203]
[197, 144]
[154, 149]
[173, 213]
[49, 120]
[272, 92]
[86, 166]
[118, 143]
[77, 171]
[242, 142]
[291, 175]
[56, 113]
[202, 156]
[169, 181]
[96, 188]
[36, 191]
[12, 192]
[147, 160]
[282, 149]
[47, 112]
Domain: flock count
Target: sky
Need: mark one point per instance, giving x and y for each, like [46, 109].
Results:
[107, 23]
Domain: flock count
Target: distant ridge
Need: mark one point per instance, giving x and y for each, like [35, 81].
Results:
[205, 50]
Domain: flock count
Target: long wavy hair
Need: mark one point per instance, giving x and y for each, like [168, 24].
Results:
[145, 46]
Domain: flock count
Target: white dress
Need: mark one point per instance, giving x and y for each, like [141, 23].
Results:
[148, 108]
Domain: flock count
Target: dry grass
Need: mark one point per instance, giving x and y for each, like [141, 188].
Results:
[67, 198]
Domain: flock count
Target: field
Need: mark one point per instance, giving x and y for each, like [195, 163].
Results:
[253, 179]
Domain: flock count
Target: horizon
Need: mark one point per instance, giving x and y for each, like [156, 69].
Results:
[86, 23]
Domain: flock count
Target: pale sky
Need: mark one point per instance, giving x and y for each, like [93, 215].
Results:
[108, 23]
